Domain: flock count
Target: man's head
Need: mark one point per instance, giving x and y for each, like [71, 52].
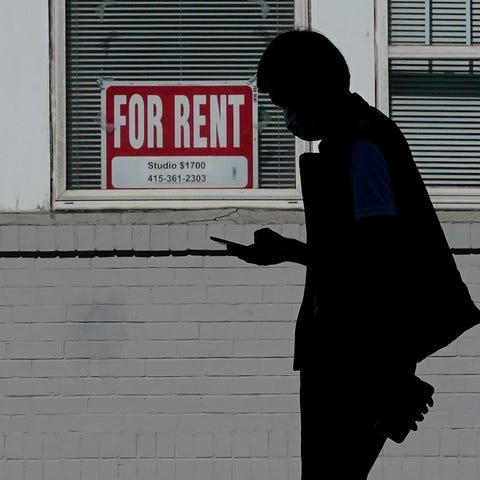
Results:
[305, 74]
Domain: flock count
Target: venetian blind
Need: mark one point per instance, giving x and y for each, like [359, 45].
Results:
[436, 102]
[169, 40]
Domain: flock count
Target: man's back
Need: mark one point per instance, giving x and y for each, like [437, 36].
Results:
[411, 307]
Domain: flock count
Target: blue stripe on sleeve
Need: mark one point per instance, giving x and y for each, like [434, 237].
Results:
[371, 181]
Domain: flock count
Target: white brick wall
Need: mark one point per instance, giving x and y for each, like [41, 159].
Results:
[180, 367]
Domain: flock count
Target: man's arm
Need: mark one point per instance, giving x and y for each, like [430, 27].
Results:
[271, 248]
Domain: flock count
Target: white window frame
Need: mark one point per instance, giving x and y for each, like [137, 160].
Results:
[445, 198]
[63, 199]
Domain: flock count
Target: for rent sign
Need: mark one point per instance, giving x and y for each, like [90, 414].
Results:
[178, 136]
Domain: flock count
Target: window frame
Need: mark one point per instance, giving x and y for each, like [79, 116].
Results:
[445, 198]
[87, 199]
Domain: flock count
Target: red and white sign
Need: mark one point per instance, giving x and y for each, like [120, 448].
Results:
[179, 136]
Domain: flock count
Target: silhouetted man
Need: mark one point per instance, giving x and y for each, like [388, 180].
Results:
[382, 290]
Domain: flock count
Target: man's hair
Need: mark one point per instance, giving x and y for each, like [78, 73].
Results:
[301, 57]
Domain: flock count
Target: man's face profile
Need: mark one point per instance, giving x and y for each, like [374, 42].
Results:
[307, 111]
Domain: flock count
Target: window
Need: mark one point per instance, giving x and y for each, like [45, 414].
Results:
[428, 81]
[97, 41]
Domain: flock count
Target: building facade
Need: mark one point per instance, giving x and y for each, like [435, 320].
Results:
[131, 346]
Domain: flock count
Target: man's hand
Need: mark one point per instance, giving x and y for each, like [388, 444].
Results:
[269, 248]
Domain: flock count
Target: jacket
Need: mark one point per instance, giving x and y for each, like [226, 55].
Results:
[420, 308]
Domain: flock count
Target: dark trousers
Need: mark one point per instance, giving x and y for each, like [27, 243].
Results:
[337, 440]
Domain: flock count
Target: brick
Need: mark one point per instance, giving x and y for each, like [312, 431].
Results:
[70, 445]
[222, 445]
[165, 469]
[35, 350]
[146, 349]
[127, 469]
[141, 237]
[116, 368]
[6, 314]
[260, 468]
[52, 446]
[20, 263]
[468, 469]
[294, 449]
[60, 405]
[85, 313]
[146, 445]
[275, 366]
[122, 237]
[118, 262]
[449, 469]
[282, 294]
[230, 366]
[39, 313]
[14, 470]
[14, 445]
[84, 237]
[37, 423]
[165, 445]
[64, 295]
[290, 230]
[460, 235]
[204, 348]
[203, 445]
[108, 445]
[90, 468]
[241, 469]
[206, 312]
[449, 443]
[467, 443]
[71, 469]
[295, 468]
[278, 442]
[15, 368]
[279, 469]
[159, 237]
[90, 445]
[147, 469]
[64, 237]
[196, 237]
[93, 349]
[17, 296]
[109, 469]
[168, 330]
[144, 386]
[184, 445]
[45, 238]
[59, 368]
[173, 367]
[185, 469]
[241, 444]
[430, 469]
[104, 237]
[223, 469]
[32, 445]
[127, 445]
[9, 238]
[468, 347]
[266, 312]
[33, 469]
[203, 469]
[180, 295]
[27, 238]
[234, 295]
[475, 235]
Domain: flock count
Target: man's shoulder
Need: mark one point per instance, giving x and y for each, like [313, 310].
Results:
[378, 128]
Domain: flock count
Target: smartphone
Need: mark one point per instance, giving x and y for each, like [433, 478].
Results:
[227, 242]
